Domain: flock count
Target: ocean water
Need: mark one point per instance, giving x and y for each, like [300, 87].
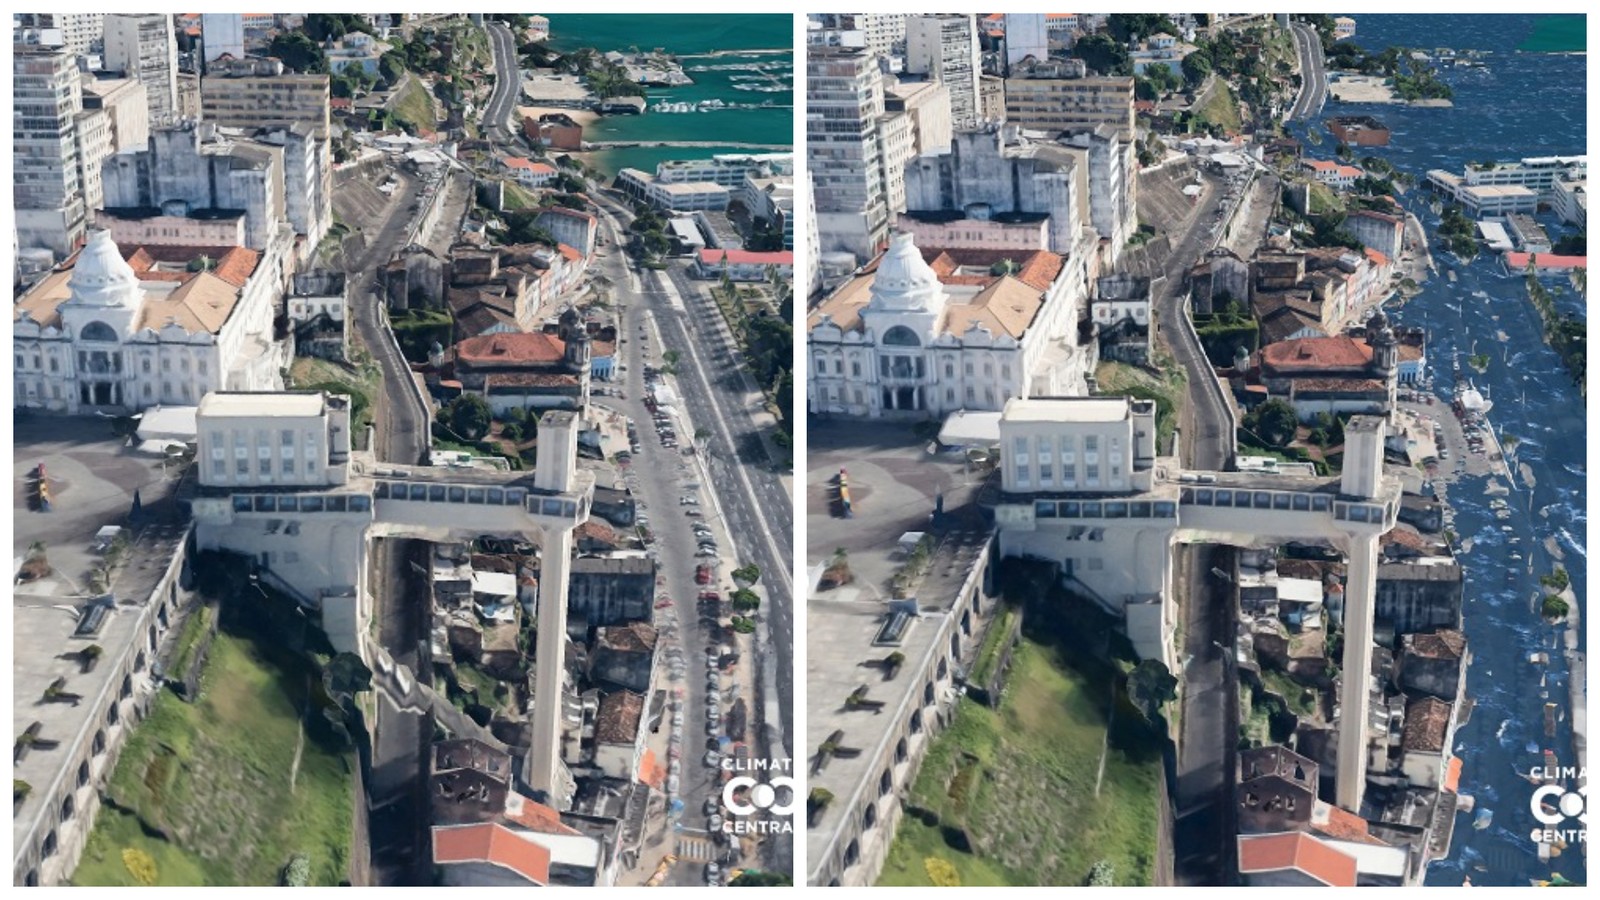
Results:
[727, 47]
[1519, 104]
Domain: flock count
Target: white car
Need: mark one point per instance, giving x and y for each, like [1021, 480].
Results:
[713, 759]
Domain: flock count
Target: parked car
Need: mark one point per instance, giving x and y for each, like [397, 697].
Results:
[702, 574]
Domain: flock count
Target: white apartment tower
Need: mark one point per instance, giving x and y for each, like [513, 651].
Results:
[844, 103]
[79, 31]
[47, 190]
[222, 33]
[143, 46]
[946, 48]
[1026, 36]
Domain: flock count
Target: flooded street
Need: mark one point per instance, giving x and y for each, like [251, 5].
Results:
[1516, 105]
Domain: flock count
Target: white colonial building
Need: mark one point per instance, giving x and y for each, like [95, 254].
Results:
[969, 331]
[164, 326]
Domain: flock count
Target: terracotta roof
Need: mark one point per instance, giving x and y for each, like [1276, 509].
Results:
[651, 771]
[494, 844]
[1443, 643]
[563, 211]
[597, 530]
[1409, 352]
[1341, 825]
[232, 264]
[1321, 354]
[1006, 307]
[1338, 385]
[40, 303]
[571, 253]
[201, 304]
[535, 816]
[619, 718]
[602, 349]
[1306, 568]
[523, 348]
[1519, 261]
[1405, 537]
[844, 305]
[1298, 851]
[1377, 259]
[634, 637]
[1037, 269]
[714, 257]
[529, 379]
[1427, 719]
[1452, 774]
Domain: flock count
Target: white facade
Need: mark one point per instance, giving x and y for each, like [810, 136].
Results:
[1572, 200]
[222, 33]
[909, 354]
[945, 47]
[144, 46]
[1026, 36]
[100, 349]
[896, 145]
[92, 130]
[844, 102]
[252, 440]
[47, 190]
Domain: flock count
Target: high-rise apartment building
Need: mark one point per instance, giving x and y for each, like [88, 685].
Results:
[144, 47]
[1026, 36]
[844, 103]
[47, 188]
[221, 33]
[946, 47]
[127, 103]
[247, 94]
[79, 31]
[1039, 100]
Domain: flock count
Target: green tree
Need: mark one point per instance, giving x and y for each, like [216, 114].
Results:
[392, 67]
[1127, 27]
[1103, 54]
[1196, 66]
[1273, 422]
[746, 600]
[759, 878]
[468, 416]
[298, 53]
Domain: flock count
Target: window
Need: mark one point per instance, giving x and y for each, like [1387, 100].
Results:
[855, 369]
[55, 364]
[1091, 474]
[1047, 472]
[145, 364]
[1005, 371]
[241, 466]
[971, 394]
[1023, 475]
[288, 466]
[1091, 443]
[166, 364]
[219, 467]
[988, 368]
[949, 369]
[969, 367]
[20, 363]
[202, 367]
[286, 437]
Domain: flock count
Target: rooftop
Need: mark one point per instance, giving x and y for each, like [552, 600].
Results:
[1427, 720]
[262, 404]
[618, 719]
[1297, 851]
[1066, 409]
[1444, 643]
[494, 844]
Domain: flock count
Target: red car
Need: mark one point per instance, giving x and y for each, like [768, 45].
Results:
[710, 595]
[702, 575]
[663, 603]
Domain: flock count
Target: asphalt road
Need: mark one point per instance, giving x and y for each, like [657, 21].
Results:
[1203, 811]
[506, 86]
[396, 788]
[1313, 74]
[1202, 807]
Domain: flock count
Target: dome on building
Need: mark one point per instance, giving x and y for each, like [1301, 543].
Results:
[101, 277]
[903, 281]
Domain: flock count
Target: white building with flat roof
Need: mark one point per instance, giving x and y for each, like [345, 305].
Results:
[261, 439]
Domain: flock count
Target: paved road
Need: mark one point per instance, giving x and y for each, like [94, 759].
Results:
[507, 80]
[1203, 807]
[1313, 74]
[1203, 812]
[396, 789]
[756, 510]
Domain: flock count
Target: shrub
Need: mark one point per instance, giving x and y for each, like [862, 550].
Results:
[140, 865]
[298, 872]
[942, 872]
[1553, 607]
[1102, 874]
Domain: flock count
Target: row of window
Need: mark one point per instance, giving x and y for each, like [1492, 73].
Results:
[1109, 509]
[263, 468]
[1022, 475]
[1278, 500]
[302, 503]
[556, 507]
[891, 366]
[101, 363]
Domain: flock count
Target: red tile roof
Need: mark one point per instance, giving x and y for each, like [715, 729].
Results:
[1519, 261]
[1342, 825]
[714, 257]
[1320, 354]
[571, 253]
[1445, 643]
[1298, 851]
[1427, 720]
[619, 718]
[494, 844]
[535, 816]
[651, 771]
[526, 348]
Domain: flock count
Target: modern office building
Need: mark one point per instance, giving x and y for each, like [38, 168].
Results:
[1040, 98]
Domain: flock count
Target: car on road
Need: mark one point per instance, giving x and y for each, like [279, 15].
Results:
[706, 553]
[702, 574]
[712, 727]
[712, 759]
[711, 807]
[714, 871]
[710, 595]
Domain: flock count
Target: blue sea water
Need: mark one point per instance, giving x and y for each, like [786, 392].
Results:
[1519, 104]
[716, 51]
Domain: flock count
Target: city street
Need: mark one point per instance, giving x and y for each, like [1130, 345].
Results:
[506, 83]
[396, 789]
[1313, 74]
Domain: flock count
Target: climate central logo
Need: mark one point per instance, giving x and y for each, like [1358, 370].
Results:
[756, 790]
[1554, 806]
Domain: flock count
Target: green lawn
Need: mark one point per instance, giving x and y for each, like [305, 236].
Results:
[1165, 385]
[1221, 108]
[215, 778]
[414, 107]
[1023, 787]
